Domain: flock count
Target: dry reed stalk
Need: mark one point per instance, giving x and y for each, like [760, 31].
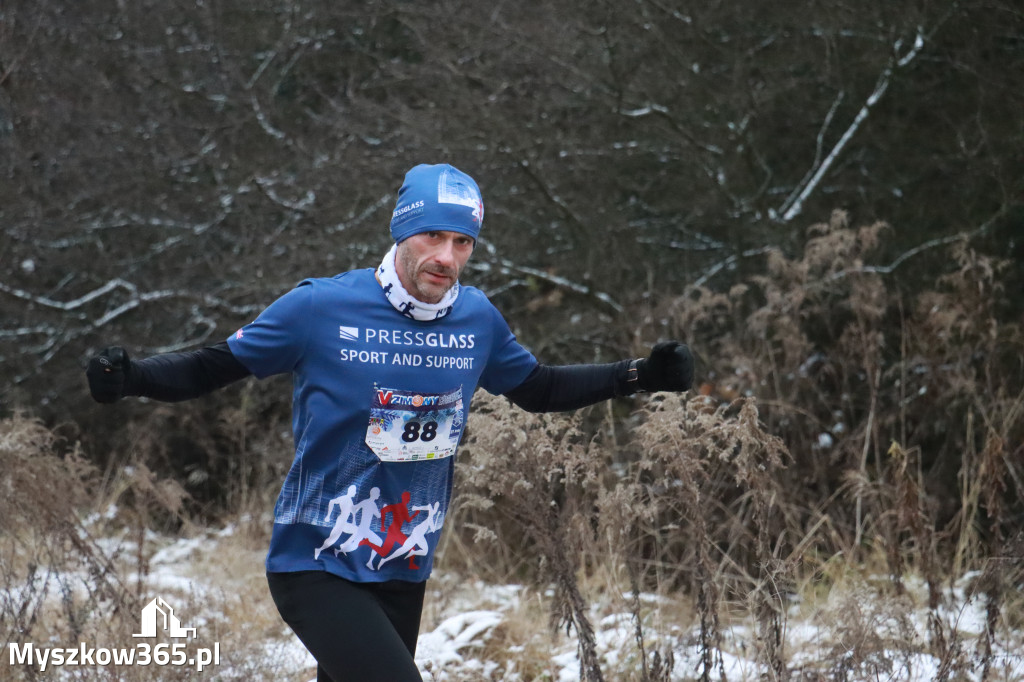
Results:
[42, 535]
[992, 474]
[541, 474]
[758, 462]
[675, 441]
[691, 449]
[913, 521]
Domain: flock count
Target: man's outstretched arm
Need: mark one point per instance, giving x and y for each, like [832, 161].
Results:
[170, 377]
[568, 387]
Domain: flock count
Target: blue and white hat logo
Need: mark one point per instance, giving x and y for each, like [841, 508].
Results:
[438, 197]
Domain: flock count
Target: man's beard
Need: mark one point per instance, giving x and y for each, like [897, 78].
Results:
[425, 289]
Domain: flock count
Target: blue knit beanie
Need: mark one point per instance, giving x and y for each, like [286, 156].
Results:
[437, 197]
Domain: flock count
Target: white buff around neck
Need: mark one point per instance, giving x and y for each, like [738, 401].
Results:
[406, 303]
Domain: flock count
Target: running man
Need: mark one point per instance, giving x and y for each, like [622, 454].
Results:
[384, 363]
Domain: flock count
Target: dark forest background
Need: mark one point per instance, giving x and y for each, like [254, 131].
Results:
[824, 199]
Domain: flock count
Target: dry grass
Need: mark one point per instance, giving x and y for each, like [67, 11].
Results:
[867, 439]
[844, 432]
[78, 561]
[638, 553]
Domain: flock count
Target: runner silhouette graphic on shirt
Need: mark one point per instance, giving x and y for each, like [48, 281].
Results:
[367, 510]
[342, 524]
[399, 515]
[416, 544]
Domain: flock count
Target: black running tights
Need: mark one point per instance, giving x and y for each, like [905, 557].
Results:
[357, 632]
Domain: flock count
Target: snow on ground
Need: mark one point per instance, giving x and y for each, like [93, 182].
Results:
[807, 641]
[453, 646]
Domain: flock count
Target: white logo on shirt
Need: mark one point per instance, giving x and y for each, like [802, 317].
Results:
[350, 333]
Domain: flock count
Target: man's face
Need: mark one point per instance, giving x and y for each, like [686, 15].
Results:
[429, 263]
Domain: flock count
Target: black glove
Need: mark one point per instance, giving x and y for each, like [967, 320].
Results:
[108, 374]
[669, 368]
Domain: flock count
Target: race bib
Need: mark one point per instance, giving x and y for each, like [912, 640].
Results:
[407, 426]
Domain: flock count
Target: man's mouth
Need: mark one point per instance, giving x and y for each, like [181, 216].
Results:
[437, 277]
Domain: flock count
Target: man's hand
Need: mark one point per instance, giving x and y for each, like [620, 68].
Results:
[669, 368]
[108, 373]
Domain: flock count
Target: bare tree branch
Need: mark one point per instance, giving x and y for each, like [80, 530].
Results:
[793, 205]
[264, 122]
[25, 331]
[57, 338]
[921, 248]
[363, 215]
[819, 148]
[552, 197]
[663, 112]
[299, 206]
[507, 268]
[68, 305]
[729, 262]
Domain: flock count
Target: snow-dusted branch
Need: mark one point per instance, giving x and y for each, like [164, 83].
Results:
[137, 299]
[363, 215]
[663, 112]
[794, 204]
[697, 245]
[729, 263]
[550, 194]
[508, 268]
[58, 336]
[197, 320]
[264, 122]
[25, 331]
[888, 269]
[68, 305]
[302, 205]
[920, 248]
[298, 44]
[819, 148]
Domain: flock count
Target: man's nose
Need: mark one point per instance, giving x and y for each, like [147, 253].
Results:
[445, 253]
